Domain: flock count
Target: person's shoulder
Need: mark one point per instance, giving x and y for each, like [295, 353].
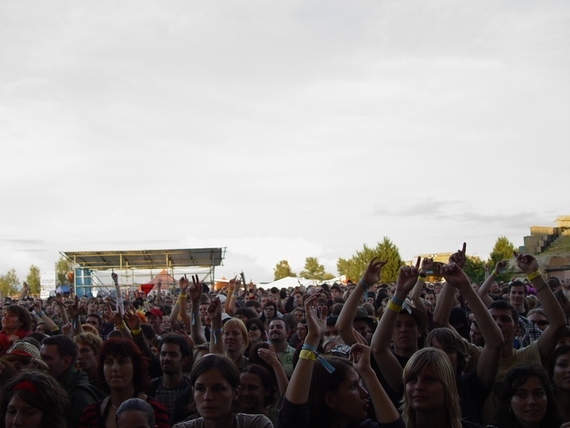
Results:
[245, 420]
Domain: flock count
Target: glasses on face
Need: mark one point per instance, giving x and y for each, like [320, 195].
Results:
[253, 328]
[269, 309]
[540, 322]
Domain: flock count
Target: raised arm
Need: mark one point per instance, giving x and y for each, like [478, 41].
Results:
[233, 291]
[41, 315]
[415, 296]
[446, 297]
[488, 363]
[300, 383]
[181, 306]
[344, 322]
[215, 313]
[383, 407]
[484, 289]
[195, 290]
[382, 338]
[549, 337]
[269, 356]
[74, 311]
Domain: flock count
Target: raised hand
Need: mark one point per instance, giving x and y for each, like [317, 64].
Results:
[459, 258]
[526, 262]
[115, 278]
[132, 320]
[316, 325]
[195, 289]
[269, 356]
[215, 313]
[454, 275]
[359, 356]
[372, 273]
[407, 278]
[111, 316]
[500, 266]
[74, 310]
[183, 284]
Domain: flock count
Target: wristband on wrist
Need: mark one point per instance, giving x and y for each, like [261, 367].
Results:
[307, 355]
[494, 273]
[394, 307]
[423, 275]
[194, 315]
[215, 332]
[397, 301]
[136, 331]
[363, 284]
[533, 275]
[310, 353]
[120, 326]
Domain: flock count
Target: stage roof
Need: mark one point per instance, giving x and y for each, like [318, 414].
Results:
[147, 259]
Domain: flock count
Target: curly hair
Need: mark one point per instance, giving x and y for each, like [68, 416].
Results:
[89, 339]
[40, 391]
[124, 348]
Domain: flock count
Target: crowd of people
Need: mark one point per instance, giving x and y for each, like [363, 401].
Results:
[433, 349]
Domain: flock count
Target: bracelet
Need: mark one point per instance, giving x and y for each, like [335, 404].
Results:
[215, 332]
[533, 275]
[310, 353]
[423, 275]
[494, 273]
[393, 307]
[397, 301]
[41, 313]
[363, 284]
[307, 355]
[194, 315]
[120, 326]
[136, 331]
[182, 294]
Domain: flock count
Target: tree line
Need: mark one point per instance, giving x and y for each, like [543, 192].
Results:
[354, 266]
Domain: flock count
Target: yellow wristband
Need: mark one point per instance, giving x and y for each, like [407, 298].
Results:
[136, 331]
[533, 275]
[392, 306]
[120, 326]
[182, 294]
[307, 355]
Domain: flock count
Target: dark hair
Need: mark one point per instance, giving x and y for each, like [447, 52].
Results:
[320, 414]
[449, 338]
[124, 348]
[96, 316]
[561, 350]
[23, 315]
[268, 304]
[136, 404]
[516, 377]
[246, 312]
[175, 339]
[268, 381]
[517, 283]
[252, 303]
[66, 347]
[40, 391]
[503, 304]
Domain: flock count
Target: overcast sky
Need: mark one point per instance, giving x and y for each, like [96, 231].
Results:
[280, 129]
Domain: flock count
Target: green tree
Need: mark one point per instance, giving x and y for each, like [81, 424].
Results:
[9, 283]
[503, 250]
[33, 279]
[282, 270]
[475, 269]
[62, 267]
[384, 250]
[314, 270]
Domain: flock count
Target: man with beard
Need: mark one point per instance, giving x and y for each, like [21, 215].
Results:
[278, 332]
[174, 354]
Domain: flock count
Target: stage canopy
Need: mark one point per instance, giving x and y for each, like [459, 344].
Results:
[147, 259]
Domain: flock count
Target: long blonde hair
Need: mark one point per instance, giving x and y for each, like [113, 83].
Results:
[439, 362]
